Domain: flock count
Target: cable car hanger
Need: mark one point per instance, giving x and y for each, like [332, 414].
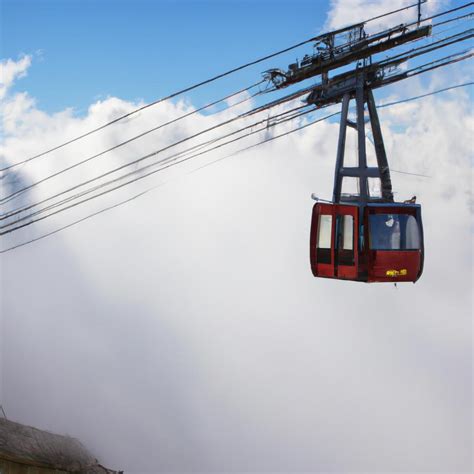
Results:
[365, 236]
[362, 236]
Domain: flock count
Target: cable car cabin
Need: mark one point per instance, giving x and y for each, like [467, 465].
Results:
[375, 242]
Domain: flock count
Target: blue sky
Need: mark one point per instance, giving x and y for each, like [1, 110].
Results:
[89, 49]
[145, 49]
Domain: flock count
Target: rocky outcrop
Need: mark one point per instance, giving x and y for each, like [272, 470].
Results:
[30, 447]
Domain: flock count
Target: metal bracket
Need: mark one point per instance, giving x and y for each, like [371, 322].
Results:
[362, 95]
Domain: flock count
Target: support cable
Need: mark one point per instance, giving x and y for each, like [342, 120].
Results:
[161, 150]
[192, 87]
[166, 163]
[409, 73]
[213, 162]
[20, 191]
[428, 48]
[389, 104]
[403, 56]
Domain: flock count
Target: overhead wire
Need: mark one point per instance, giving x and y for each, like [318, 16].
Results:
[445, 89]
[227, 156]
[435, 34]
[410, 174]
[166, 163]
[418, 70]
[439, 63]
[130, 199]
[403, 57]
[147, 191]
[181, 156]
[439, 34]
[450, 20]
[443, 13]
[20, 191]
[193, 87]
[254, 111]
[430, 47]
[139, 109]
[176, 156]
[383, 15]
[434, 25]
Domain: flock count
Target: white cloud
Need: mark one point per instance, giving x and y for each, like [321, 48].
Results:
[346, 12]
[11, 70]
[184, 332]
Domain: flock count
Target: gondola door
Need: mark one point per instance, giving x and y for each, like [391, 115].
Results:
[321, 240]
[333, 243]
[345, 242]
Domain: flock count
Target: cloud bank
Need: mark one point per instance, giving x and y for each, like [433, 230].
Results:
[184, 332]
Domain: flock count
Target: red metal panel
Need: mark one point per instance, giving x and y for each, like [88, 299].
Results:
[394, 265]
[313, 239]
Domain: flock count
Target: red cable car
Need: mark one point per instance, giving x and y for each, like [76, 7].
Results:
[379, 242]
[361, 237]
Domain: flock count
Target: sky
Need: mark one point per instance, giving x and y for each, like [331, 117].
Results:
[184, 331]
[147, 49]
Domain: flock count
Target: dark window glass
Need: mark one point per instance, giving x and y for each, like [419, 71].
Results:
[393, 232]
